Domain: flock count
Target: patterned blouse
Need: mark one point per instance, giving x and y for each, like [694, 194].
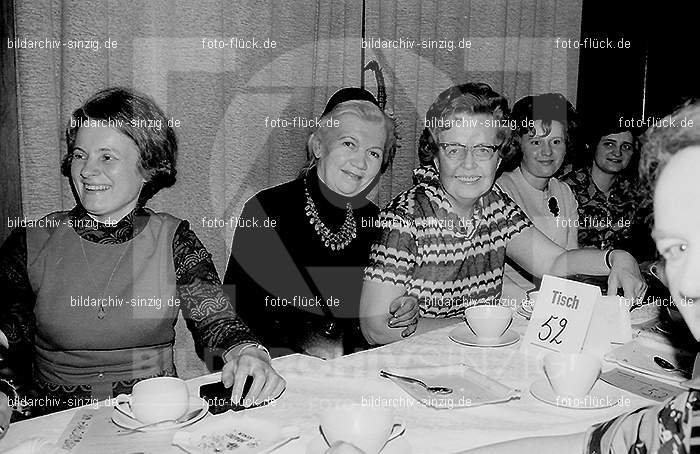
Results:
[445, 261]
[209, 314]
[669, 428]
[605, 220]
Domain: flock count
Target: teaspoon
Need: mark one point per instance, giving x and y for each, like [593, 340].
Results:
[432, 389]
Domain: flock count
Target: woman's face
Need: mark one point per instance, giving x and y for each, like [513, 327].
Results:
[543, 154]
[614, 152]
[350, 155]
[106, 173]
[677, 231]
[464, 177]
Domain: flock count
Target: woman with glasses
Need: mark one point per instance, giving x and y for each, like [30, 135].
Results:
[444, 241]
[545, 134]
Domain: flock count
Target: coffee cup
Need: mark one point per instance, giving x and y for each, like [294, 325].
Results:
[488, 322]
[156, 399]
[571, 374]
[368, 428]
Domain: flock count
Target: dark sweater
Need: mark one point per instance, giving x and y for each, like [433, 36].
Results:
[277, 255]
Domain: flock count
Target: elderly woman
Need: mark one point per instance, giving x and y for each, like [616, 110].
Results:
[296, 281]
[605, 186]
[545, 132]
[445, 240]
[670, 164]
[92, 294]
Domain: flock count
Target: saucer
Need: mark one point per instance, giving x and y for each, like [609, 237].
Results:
[398, 445]
[127, 422]
[603, 395]
[463, 335]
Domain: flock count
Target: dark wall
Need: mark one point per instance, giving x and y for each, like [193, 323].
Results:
[661, 58]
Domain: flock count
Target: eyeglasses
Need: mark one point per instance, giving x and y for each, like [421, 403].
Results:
[458, 151]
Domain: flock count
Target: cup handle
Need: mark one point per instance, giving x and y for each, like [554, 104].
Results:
[126, 409]
[398, 429]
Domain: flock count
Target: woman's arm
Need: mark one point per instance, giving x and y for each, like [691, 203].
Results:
[540, 255]
[17, 304]
[214, 324]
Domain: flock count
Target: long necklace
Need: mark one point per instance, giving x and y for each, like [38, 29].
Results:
[101, 308]
[335, 241]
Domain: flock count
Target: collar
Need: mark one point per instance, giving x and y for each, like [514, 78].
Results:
[429, 178]
[324, 195]
[99, 232]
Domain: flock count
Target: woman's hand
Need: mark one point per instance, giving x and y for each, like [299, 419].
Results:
[5, 413]
[625, 273]
[344, 448]
[267, 383]
[404, 311]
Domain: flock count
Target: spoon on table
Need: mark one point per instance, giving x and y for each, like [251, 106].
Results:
[179, 420]
[664, 364]
[432, 389]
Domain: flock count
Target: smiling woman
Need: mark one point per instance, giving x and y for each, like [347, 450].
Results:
[70, 284]
[445, 240]
[296, 280]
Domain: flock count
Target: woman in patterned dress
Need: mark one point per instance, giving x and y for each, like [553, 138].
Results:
[444, 241]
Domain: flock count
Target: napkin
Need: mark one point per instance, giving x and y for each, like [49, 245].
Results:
[470, 388]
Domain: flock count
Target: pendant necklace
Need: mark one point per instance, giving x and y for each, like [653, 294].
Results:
[101, 308]
[334, 241]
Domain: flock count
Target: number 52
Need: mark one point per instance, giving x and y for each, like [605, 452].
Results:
[547, 330]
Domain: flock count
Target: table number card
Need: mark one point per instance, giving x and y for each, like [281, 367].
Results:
[562, 315]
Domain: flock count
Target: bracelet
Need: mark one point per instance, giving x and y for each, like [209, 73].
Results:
[608, 253]
[258, 346]
[9, 389]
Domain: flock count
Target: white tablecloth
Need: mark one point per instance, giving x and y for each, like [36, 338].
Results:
[314, 384]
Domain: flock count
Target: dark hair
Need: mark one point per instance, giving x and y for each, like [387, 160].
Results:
[660, 143]
[547, 107]
[605, 125]
[467, 99]
[138, 117]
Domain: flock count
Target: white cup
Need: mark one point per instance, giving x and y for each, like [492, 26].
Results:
[368, 428]
[156, 399]
[571, 374]
[488, 322]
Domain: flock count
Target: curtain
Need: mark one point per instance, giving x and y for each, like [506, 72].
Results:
[232, 103]
[512, 47]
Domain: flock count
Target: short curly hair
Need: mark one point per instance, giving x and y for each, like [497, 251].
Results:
[547, 107]
[659, 143]
[138, 117]
[469, 99]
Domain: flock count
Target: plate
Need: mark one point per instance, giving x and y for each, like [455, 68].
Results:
[127, 422]
[398, 445]
[463, 335]
[603, 395]
[233, 432]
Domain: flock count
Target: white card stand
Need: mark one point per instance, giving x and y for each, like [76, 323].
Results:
[572, 317]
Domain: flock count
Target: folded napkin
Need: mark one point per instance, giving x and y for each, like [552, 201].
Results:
[470, 388]
[638, 355]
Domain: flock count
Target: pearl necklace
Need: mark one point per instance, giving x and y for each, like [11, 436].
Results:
[335, 241]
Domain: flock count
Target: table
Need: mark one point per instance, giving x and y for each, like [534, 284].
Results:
[314, 384]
